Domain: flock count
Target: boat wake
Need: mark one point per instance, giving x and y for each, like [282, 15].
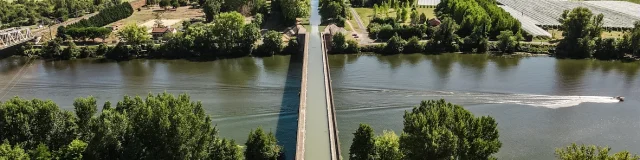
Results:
[472, 98]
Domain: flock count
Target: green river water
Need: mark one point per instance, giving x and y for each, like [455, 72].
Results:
[540, 103]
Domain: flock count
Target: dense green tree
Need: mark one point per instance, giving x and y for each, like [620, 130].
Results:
[338, 43]
[227, 29]
[42, 152]
[413, 46]
[85, 108]
[13, 153]
[591, 152]
[607, 48]
[415, 18]
[262, 146]
[388, 146]
[292, 9]
[164, 3]
[363, 146]
[74, 151]
[106, 16]
[580, 28]
[477, 42]
[52, 49]
[223, 149]
[292, 47]
[352, 47]
[36, 122]
[633, 40]
[250, 34]
[333, 10]
[444, 38]
[175, 3]
[507, 42]
[441, 130]
[71, 51]
[133, 34]
[272, 43]
[395, 45]
[423, 19]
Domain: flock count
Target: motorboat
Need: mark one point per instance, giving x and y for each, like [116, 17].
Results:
[619, 98]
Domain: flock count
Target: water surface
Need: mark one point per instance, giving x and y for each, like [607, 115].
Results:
[540, 103]
[240, 94]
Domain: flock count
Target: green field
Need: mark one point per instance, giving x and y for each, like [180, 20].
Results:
[366, 14]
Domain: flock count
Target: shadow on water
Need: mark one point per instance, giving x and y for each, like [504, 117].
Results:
[286, 129]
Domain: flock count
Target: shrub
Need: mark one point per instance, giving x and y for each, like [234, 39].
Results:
[338, 43]
[292, 47]
[395, 45]
[272, 44]
[71, 52]
[413, 46]
[375, 48]
[507, 42]
[352, 47]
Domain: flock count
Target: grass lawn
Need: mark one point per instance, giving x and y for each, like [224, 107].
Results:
[366, 14]
[557, 34]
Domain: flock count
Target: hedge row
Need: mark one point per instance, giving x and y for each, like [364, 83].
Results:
[106, 16]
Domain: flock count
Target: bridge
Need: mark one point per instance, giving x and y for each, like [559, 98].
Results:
[317, 137]
[14, 36]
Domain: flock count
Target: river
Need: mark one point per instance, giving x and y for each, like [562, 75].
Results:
[540, 103]
[240, 94]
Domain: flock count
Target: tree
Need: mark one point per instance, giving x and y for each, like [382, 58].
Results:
[85, 108]
[35, 122]
[164, 3]
[133, 34]
[71, 52]
[415, 18]
[388, 146]
[73, 151]
[175, 3]
[363, 146]
[442, 130]
[272, 43]
[227, 30]
[14, 153]
[444, 39]
[352, 47]
[507, 42]
[53, 49]
[591, 152]
[580, 28]
[413, 46]
[395, 45]
[633, 40]
[292, 9]
[338, 43]
[262, 146]
[41, 153]
[423, 18]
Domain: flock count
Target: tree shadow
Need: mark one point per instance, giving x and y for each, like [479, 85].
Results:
[286, 129]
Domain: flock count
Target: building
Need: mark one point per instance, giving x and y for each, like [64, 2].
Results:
[159, 32]
[434, 22]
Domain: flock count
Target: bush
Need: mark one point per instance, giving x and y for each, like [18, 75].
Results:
[352, 47]
[106, 16]
[507, 42]
[272, 44]
[338, 43]
[413, 46]
[395, 45]
[375, 48]
[292, 47]
[71, 52]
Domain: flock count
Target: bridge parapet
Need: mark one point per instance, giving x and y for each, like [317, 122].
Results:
[13, 36]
